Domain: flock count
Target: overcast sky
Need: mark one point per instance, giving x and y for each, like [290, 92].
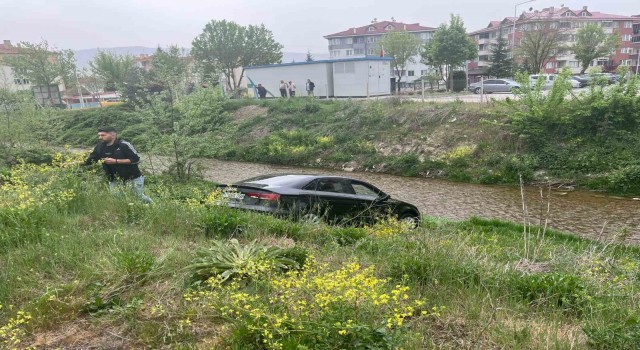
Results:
[299, 25]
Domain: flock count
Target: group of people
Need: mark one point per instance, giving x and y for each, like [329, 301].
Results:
[287, 89]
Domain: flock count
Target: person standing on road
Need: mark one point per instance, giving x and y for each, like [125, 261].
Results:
[309, 86]
[119, 161]
[292, 89]
[283, 89]
[262, 92]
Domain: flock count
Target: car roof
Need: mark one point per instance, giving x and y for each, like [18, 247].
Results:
[285, 180]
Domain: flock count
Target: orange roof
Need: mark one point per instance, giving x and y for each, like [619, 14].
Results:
[381, 28]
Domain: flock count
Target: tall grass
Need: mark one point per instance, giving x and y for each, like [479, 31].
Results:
[117, 271]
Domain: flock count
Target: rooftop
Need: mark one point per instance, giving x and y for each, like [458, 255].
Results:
[556, 13]
[382, 27]
[7, 48]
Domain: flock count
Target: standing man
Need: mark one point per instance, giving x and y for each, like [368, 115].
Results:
[119, 161]
[262, 92]
[283, 89]
[292, 89]
[309, 87]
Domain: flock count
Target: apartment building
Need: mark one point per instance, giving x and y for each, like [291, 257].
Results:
[568, 22]
[9, 78]
[363, 41]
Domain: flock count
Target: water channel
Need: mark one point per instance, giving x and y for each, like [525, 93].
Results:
[584, 213]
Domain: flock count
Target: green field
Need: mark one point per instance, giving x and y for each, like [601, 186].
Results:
[81, 267]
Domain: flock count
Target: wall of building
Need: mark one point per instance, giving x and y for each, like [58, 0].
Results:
[269, 76]
[362, 78]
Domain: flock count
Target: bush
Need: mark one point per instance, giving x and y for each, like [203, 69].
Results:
[625, 180]
[554, 289]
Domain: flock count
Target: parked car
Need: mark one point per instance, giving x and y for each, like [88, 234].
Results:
[494, 85]
[548, 80]
[581, 82]
[315, 198]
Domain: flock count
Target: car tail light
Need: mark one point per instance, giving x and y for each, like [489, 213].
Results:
[264, 196]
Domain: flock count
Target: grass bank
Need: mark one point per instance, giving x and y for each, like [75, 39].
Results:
[82, 267]
[591, 141]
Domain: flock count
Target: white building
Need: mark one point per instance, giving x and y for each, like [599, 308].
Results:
[351, 77]
[9, 79]
[363, 42]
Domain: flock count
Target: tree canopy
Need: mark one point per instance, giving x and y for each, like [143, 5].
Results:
[113, 69]
[227, 46]
[501, 64]
[591, 43]
[43, 64]
[450, 46]
[402, 46]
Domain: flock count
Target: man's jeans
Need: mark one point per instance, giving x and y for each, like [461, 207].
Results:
[136, 184]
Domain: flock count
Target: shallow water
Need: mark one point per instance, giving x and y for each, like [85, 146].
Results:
[583, 213]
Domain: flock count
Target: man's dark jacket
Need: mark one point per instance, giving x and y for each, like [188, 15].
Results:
[120, 149]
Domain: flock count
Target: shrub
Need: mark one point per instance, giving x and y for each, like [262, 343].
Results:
[554, 289]
[226, 260]
[315, 308]
[222, 222]
[459, 80]
[624, 180]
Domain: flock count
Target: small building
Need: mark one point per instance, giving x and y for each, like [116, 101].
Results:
[352, 77]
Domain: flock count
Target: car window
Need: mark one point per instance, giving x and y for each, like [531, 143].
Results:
[363, 190]
[334, 185]
[499, 81]
[534, 77]
[489, 81]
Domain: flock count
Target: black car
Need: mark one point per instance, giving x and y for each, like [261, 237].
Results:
[313, 198]
[582, 81]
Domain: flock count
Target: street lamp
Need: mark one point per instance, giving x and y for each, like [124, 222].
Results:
[513, 33]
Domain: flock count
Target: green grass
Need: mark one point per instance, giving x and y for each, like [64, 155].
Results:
[116, 271]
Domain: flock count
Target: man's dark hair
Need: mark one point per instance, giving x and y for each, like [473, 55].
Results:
[107, 129]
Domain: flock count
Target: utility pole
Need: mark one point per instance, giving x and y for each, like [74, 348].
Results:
[513, 32]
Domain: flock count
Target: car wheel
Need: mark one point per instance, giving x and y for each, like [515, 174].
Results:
[477, 90]
[310, 218]
[409, 218]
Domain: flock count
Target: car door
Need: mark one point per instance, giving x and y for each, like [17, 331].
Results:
[334, 198]
[372, 203]
[501, 86]
[489, 86]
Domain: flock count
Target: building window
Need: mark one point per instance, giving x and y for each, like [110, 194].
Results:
[344, 67]
[389, 27]
[573, 64]
[626, 37]
[607, 24]
[585, 14]
[411, 73]
[371, 39]
[349, 53]
[550, 65]
[627, 24]
[335, 53]
[372, 29]
[348, 41]
[358, 52]
[336, 41]
[371, 52]
[625, 62]
[424, 72]
[565, 24]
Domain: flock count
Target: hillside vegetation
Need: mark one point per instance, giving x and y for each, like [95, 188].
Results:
[82, 267]
[591, 140]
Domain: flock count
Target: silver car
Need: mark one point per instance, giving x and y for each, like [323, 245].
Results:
[494, 85]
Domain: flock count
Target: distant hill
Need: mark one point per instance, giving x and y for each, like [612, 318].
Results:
[83, 57]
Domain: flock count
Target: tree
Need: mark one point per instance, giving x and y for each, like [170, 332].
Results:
[450, 47]
[113, 69]
[309, 57]
[592, 42]
[402, 46]
[169, 68]
[42, 64]
[501, 64]
[538, 44]
[228, 46]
